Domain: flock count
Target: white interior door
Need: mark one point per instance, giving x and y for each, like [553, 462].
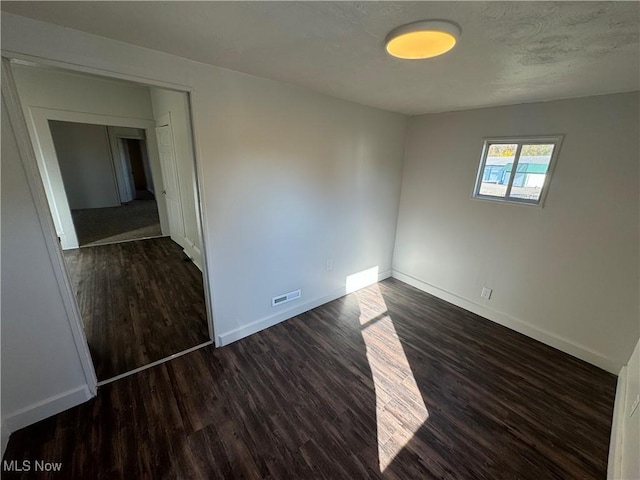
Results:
[171, 192]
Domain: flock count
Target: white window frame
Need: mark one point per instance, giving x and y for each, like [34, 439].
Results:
[556, 140]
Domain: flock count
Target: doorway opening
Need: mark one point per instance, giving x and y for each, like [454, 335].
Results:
[117, 166]
[109, 190]
[139, 168]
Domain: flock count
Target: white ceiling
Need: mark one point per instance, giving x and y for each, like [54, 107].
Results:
[509, 52]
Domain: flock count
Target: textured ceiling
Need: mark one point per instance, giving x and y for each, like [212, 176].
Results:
[509, 52]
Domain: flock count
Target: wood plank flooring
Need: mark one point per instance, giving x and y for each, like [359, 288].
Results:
[388, 382]
[140, 302]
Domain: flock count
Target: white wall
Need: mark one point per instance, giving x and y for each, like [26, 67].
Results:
[85, 163]
[63, 95]
[289, 177]
[40, 363]
[566, 274]
[176, 104]
[65, 90]
[624, 457]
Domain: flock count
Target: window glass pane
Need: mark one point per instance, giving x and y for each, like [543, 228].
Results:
[533, 165]
[497, 169]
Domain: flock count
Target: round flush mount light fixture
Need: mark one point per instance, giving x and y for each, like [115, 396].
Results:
[420, 40]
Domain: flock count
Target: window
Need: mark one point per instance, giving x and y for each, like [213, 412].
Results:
[516, 170]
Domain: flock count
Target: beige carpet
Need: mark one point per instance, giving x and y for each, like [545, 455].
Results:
[135, 220]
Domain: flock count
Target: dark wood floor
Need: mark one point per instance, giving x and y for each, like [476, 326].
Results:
[140, 302]
[387, 382]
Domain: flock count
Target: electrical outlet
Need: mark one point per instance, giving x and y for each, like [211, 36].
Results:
[635, 405]
[329, 264]
[486, 293]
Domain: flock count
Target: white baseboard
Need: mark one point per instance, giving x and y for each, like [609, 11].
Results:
[614, 465]
[45, 408]
[271, 320]
[513, 323]
[4, 437]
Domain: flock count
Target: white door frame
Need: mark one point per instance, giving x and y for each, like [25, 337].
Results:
[125, 165]
[45, 216]
[126, 190]
[30, 163]
[50, 169]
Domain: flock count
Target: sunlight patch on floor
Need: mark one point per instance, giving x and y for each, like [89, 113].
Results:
[361, 279]
[400, 410]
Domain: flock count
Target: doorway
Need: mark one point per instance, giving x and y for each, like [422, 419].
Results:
[140, 170]
[87, 164]
[142, 296]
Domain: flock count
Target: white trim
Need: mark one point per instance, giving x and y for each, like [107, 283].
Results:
[29, 162]
[118, 165]
[52, 181]
[512, 175]
[46, 408]
[203, 230]
[164, 120]
[4, 438]
[93, 118]
[154, 364]
[614, 466]
[513, 323]
[271, 320]
[130, 136]
[92, 70]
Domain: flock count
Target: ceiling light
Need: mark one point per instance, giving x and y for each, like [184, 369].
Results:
[422, 39]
